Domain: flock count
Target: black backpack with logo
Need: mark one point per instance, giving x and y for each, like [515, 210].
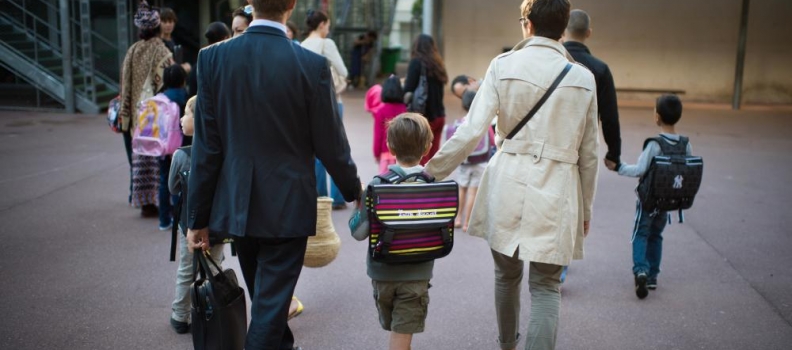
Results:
[673, 177]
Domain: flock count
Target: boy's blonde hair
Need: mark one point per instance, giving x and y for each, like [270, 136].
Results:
[409, 137]
[190, 106]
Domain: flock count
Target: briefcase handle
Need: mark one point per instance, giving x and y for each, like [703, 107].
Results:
[201, 263]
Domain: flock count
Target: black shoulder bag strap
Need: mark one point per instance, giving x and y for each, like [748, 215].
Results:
[541, 102]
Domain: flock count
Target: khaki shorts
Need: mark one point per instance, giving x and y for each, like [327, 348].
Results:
[402, 306]
[470, 174]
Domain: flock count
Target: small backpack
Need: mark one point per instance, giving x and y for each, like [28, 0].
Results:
[112, 114]
[673, 178]
[157, 131]
[411, 222]
[484, 149]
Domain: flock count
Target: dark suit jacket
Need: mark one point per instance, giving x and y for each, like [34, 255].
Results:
[606, 96]
[265, 108]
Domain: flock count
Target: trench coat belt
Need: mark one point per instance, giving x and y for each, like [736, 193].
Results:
[539, 150]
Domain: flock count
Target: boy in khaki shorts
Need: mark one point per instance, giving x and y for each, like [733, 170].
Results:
[401, 291]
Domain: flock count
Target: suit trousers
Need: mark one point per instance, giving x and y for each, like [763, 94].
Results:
[544, 283]
[271, 267]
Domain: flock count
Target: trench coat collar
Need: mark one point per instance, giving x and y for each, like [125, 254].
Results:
[544, 42]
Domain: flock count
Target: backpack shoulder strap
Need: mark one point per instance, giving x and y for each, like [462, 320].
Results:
[187, 150]
[388, 177]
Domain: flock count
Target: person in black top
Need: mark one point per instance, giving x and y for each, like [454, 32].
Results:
[577, 32]
[425, 55]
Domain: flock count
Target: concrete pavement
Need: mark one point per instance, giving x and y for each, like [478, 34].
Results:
[81, 270]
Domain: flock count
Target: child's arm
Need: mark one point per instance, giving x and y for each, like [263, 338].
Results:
[637, 170]
[178, 164]
[359, 221]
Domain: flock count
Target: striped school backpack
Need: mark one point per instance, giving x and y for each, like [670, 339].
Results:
[411, 222]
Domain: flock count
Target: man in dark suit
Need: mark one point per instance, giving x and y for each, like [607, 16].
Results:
[265, 109]
[578, 30]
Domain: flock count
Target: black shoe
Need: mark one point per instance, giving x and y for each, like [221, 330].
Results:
[651, 284]
[640, 286]
[180, 327]
[149, 211]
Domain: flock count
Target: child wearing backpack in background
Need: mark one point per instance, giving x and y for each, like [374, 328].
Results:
[392, 105]
[647, 237]
[472, 169]
[180, 317]
[401, 291]
[174, 79]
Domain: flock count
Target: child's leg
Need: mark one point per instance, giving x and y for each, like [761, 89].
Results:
[184, 278]
[654, 248]
[462, 203]
[640, 240]
[469, 206]
[400, 341]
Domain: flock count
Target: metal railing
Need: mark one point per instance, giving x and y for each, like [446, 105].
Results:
[44, 35]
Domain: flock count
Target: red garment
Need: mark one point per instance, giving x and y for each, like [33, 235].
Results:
[382, 116]
[437, 130]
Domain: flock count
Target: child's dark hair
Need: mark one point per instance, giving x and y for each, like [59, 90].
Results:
[669, 107]
[173, 77]
[467, 99]
[167, 15]
[392, 91]
[216, 32]
[409, 137]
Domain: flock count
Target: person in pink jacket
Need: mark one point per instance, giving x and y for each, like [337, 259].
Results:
[391, 106]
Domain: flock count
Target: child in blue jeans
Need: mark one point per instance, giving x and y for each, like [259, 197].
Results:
[647, 237]
[401, 291]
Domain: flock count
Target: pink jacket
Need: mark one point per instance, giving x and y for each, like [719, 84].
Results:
[382, 115]
[374, 98]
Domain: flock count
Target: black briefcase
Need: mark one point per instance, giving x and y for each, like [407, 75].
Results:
[219, 311]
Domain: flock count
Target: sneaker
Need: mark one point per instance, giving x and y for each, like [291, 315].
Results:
[640, 286]
[166, 227]
[179, 327]
[298, 310]
[651, 284]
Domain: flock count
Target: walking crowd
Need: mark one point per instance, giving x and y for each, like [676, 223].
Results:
[237, 151]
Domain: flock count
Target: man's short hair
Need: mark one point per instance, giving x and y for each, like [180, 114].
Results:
[548, 17]
[467, 99]
[167, 15]
[579, 23]
[409, 136]
[669, 107]
[271, 9]
[459, 79]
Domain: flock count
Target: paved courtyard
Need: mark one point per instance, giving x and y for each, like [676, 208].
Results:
[80, 269]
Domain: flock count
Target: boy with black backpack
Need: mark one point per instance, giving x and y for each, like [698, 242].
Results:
[177, 181]
[401, 290]
[669, 180]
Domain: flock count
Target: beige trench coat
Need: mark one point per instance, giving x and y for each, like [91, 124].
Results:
[539, 187]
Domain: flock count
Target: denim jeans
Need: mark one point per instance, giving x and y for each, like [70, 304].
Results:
[165, 198]
[184, 278]
[321, 175]
[647, 241]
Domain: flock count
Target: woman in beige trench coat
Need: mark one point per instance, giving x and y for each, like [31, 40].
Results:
[536, 195]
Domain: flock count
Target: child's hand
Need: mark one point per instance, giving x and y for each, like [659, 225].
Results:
[611, 165]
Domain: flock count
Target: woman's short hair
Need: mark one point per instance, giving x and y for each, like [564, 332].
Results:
[392, 91]
[217, 32]
[173, 77]
[548, 17]
[314, 18]
[409, 137]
